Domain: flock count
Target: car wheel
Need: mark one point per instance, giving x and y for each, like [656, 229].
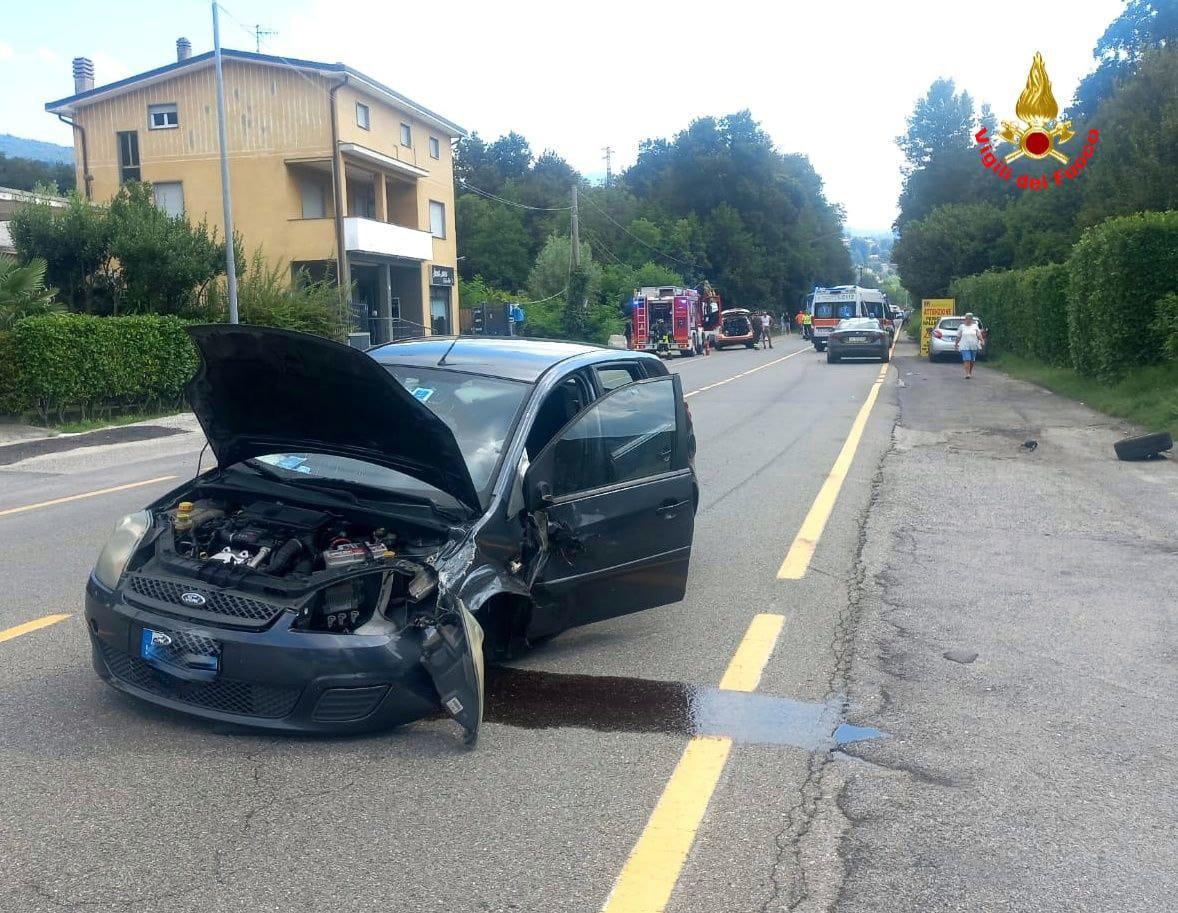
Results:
[1143, 446]
[749, 345]
[831, 358]
[886, 357]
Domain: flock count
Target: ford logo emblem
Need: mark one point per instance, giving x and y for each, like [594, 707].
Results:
[193, 599]
[160, 639]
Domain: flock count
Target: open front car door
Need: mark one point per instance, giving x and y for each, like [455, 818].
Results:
[613, 498]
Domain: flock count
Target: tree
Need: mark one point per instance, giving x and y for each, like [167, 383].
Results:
[22, 291]
[959, 239]
[29, 174]
[75, 243]
[1144, 26]
[128, 256]
[165, 262]
[941, 162]
[492, 242]
[1135, 167]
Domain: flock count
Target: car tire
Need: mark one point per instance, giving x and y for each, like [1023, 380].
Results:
[886, 357]
[1143, 446]
[831, 358]
[750, 345]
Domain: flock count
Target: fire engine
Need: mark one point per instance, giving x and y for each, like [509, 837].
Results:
[667, 319]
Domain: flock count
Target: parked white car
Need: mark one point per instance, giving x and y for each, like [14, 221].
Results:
[943, 338]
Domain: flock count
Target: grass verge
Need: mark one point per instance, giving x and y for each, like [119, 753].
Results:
[1146, 396]
[93, 424]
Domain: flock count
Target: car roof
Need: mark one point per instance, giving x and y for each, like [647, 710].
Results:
[508, 357]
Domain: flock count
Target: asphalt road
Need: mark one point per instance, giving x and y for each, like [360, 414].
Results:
[107, 804]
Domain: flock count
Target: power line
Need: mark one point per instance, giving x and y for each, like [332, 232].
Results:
[662, 253]
[490, 196]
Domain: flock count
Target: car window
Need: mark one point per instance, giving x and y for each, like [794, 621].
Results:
[561, 405]
[612, 376]
[625, 436]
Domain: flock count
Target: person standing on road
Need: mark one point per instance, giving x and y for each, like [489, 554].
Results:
[807, 325]
[766, 330]
[969, 343]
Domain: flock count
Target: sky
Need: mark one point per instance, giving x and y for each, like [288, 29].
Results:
[834, 80]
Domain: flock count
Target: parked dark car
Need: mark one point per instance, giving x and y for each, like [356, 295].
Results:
[859, 337]
[379, 519]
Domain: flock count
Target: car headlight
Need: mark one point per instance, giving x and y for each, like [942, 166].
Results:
[119, 548]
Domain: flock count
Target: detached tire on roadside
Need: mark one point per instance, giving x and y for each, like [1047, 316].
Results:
[1143, 446]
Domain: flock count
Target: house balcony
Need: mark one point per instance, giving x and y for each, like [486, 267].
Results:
[371, 236]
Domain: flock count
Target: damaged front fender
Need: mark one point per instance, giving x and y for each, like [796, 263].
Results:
[452, 653]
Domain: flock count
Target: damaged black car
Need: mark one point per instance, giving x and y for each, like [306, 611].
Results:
[379, 522]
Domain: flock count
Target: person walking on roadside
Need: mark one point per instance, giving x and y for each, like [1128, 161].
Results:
[969, 343]
[766, 330]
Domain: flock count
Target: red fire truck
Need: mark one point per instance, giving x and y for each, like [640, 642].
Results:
[670, 319]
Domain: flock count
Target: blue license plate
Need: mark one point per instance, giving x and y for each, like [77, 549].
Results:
[165, 648]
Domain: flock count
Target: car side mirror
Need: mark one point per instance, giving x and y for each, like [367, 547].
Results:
[537, 491]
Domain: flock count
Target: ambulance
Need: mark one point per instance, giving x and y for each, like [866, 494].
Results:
[830, 305]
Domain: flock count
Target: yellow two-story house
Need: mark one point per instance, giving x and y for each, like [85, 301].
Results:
[327, 166]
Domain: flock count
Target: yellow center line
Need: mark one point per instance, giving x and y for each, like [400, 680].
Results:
[652, 869]
[728, 380]
[35, 625]
[797, 559]
[86, 494]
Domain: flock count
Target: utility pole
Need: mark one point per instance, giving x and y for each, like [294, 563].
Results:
[609, 169]
[576, 232]
[226, 199]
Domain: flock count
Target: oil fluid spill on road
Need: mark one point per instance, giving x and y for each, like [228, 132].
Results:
[531, 699]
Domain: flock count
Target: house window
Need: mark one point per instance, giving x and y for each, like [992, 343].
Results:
[169, 196]
[314, 197]
[128, 142]
[162, 117]
[437, 219]
[406, 135]
[435, 148]
[362, 116]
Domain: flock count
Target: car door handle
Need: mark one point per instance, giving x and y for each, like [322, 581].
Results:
[669, 509]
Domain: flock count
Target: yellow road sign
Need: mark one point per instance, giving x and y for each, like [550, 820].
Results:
[932, 310]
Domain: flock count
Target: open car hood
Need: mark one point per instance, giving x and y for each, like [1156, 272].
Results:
[261, 390]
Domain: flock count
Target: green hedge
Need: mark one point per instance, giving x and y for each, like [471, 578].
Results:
[70, 364]
[1118, 271]
[1109, 309]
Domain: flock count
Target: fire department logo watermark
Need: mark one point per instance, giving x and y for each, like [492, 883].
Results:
[1036, 135]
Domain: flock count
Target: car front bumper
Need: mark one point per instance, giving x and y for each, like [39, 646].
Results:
[277, 678]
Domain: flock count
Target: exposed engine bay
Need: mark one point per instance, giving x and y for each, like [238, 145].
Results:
[336, 572]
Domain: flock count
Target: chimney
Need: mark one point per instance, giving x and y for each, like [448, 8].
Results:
[83, 75]
[183, 48]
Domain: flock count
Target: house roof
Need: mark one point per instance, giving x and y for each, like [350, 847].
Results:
[68, 106]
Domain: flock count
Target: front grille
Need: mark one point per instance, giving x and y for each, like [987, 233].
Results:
[218, 606]
[340, 704]
[224, 695]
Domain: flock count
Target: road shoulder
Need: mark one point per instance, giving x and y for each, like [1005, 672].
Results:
[1016, 640]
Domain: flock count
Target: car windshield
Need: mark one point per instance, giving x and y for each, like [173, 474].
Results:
[952, 323]
[479, 410]
[859, 323]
